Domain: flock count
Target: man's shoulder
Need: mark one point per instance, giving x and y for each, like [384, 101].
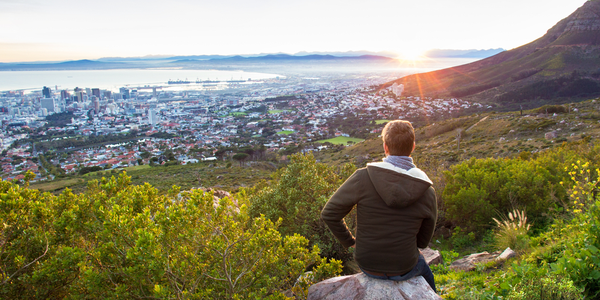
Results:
[415, 173]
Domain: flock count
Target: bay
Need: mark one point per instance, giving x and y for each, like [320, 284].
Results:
[114, 79]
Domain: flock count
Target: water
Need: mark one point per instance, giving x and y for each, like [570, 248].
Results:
[114, 79]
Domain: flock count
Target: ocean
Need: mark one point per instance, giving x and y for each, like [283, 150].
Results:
[114, 79]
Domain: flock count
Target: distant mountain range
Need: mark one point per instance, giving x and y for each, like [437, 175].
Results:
[560, 66]
[215, 60]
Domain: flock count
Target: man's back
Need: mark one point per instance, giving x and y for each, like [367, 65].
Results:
[396, 213]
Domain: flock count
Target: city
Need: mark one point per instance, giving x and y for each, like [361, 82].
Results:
[273, 116]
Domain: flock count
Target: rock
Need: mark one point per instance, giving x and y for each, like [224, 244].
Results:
[432, 257]
[361, 287]
[508, 253]
[468, 262]
[550, 135]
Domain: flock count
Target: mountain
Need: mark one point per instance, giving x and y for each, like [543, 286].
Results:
[311, 57]
[562, 64]
[83, 64]
[471, 53]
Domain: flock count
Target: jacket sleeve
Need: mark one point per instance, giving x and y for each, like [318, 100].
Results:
[428, 225]
[339, 205]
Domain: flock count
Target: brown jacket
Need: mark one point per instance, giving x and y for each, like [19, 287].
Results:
[396, 213]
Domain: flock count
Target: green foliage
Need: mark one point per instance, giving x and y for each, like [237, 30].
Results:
[297, 195]
[461, 239]
[119, 240]
[478, 189]
[512, 231]
[59, 119]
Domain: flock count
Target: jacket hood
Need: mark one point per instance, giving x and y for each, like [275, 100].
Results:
[396, 186]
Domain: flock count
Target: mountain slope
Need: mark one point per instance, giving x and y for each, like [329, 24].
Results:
[561, 63]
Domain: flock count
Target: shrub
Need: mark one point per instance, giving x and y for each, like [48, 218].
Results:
[118, 240]
[478, 189]
[512, 231]
[297, 195]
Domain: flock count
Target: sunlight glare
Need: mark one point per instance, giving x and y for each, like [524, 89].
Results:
[412, 54]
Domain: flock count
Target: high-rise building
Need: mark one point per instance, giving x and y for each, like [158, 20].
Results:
[48, 104]
[152, 117]
[46, 92]
[96, 103]
[64, 95]
[124, 92]
[96, 92]
[78, 94]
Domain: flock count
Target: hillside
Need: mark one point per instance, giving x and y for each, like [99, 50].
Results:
[561, 64]
[485, 135]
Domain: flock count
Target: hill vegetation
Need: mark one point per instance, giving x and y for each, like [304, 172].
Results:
[556, 68]
[151, 232]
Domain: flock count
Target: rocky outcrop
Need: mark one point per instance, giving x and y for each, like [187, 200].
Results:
[585, 19]
[432, 257]
[361, 287]
[468, 262]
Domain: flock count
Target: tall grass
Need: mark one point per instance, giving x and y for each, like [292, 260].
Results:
[512, 231]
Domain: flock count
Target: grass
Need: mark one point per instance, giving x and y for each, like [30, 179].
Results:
[108, 172]
[276, 111]
[238, 114]
[59, 184]
[341, 140]
[379, 122]
[204, 174]
[285, 132]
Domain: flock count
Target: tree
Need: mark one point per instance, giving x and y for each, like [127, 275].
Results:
[241, 158]
[117, 240]
[297, 195]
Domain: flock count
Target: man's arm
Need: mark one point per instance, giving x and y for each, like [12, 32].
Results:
[428, 225]
[339, 205]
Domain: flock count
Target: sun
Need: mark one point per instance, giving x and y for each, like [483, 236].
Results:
[412, 54]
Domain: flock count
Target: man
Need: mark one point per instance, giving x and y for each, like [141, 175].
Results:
[396, 211]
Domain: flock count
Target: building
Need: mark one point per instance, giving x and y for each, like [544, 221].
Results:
[78, 97]
[96, 103]
[96, 92]
[152, 117]
[64, 95]
[124, 92]
[46, 92]
[48, 104]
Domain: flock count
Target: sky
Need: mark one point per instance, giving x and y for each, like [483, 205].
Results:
[53, 30]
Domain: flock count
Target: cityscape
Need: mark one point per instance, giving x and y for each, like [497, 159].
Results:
[197, 121]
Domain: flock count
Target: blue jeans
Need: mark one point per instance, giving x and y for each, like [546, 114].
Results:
[420, 269]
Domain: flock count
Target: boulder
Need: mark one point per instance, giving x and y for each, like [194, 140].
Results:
[361, 287]
[468, 262]
[432, 257]
[508, 253]
[550, 135]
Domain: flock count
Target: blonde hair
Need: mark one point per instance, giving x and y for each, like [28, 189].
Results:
[399, 137]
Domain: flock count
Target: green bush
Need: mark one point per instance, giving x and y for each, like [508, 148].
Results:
[478, 189]
[297, 194]
[118, 240]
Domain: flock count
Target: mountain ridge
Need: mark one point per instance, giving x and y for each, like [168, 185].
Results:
[571, 47]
